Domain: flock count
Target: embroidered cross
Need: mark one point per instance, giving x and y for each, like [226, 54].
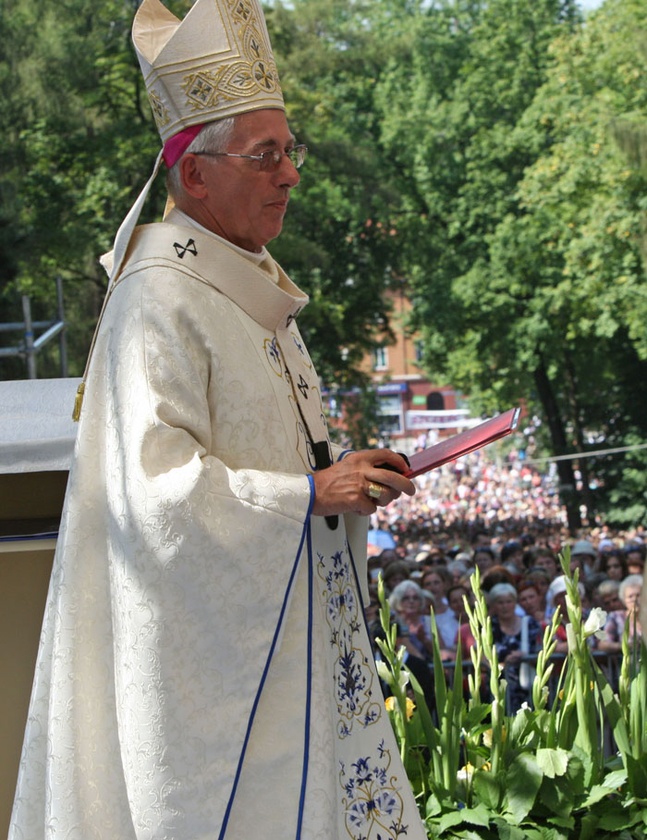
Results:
[298, 344]
[181, 250]
[303, 387]
[274, 351]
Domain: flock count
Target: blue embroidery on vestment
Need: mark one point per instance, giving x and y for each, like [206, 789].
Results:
[373, 805]
[353, 674]
[273, 354]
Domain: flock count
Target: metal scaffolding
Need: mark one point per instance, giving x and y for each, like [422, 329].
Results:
[31, 344]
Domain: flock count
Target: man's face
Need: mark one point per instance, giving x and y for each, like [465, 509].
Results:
[243, 204]
[483, 560]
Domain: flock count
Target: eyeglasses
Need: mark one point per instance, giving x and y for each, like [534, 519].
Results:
[269, 160]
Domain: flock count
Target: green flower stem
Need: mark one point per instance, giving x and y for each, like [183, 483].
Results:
[481, 627]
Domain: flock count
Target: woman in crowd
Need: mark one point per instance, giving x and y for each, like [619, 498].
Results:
[495, 574]
[394, 573]
[459, 569]
[456, 596]
[629, 594]
[545, 558]
[437, 581]
[613, 564]
[608, 596]
[483, 559]
[635, 558]
[530, 601]
[408, 604]
[514, 636]
[541, 580]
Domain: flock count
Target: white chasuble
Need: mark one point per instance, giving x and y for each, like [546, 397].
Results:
[204, 668]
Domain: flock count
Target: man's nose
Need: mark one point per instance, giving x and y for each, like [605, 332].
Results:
[287, 173]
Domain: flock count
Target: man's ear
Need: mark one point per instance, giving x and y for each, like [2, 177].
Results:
[192, 175]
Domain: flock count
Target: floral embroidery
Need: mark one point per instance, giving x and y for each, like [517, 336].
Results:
[372, 804]
[353, 674]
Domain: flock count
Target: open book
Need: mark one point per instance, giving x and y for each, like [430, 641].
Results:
[462, 443]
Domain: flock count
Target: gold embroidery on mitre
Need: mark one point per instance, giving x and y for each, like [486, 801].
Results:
[216, 63]
[264, 76]
[160, 111]
[201, 87]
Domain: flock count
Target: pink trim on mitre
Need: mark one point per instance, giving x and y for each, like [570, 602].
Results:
[177, 145]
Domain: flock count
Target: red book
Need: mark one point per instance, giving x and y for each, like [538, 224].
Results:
[462, 443]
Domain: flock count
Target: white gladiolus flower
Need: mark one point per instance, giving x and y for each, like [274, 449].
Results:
[384, 672]
[594, 624]
[403, 678]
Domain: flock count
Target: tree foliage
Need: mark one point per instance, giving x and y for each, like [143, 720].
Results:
[527, 279]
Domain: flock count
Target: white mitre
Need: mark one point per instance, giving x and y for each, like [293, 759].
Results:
[215, 63]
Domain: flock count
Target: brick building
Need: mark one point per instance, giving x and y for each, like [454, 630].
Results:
[410, 404]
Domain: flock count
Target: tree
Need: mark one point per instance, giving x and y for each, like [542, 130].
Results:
[80, 139]
[582, 212]
[527, 282]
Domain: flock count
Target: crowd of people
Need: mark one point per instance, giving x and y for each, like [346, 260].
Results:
[505, 521]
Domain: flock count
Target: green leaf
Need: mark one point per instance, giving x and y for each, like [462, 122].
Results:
[487, 788]
[480, 815]
[596, 794]
[637, 773]
[616, 779]
[523, 781]
[557, 796]
[588, 826]
[451, 819]
[552, 762]
[506, 831]
[615, 817]
[433, 806]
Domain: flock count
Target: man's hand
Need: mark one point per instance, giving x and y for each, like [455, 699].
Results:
[356, 484]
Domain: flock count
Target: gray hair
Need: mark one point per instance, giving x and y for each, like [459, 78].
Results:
[609, 587]
[402, 589]
[630, 580]
[500, 591]
[214, 137]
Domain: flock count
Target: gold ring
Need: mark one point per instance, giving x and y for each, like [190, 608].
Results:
[374, 490]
